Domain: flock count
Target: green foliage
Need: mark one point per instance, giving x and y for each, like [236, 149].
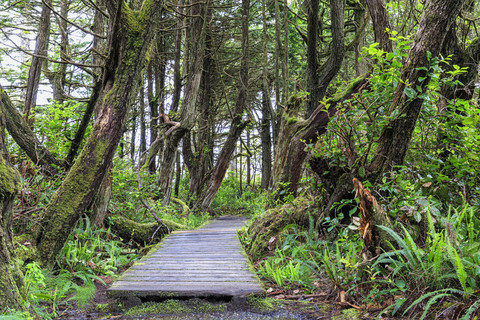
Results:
[95, 251]
[57, 123]
[127, 198]
[230, 201]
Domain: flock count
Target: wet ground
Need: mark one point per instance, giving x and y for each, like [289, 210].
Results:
[194, 309]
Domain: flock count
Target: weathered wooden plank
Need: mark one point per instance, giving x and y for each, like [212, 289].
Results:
[204, 262]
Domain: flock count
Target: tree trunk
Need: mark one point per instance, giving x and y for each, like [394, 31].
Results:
[380, 24]
[41, 45]
[237, 124]
[99, 207]
[393, 144]
[143, 139]
[130, 40]
[152, 102]
[134, 133]
[198, 32]
[11, 281]
[266, 142]
[330, 68]
[312, 58]
[82, 127]
[267, 111]
[24, 136]
[177, 79]
[296, 134]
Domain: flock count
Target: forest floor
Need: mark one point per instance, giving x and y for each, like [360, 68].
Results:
[279, 305]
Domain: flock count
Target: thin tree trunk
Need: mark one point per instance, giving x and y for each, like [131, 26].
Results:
[41, 45]
[198, 31]
[267, 111]
[381, 24]
[143, 130]
[177, 80]
[312, 57]
[266, 142]
[134, 133]
[290, 149]
[152, 102]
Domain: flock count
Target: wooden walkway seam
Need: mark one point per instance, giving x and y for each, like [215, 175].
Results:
[208, 262]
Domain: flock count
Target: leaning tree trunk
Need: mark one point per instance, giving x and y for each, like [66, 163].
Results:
[395, 139]
[129, 42]
[11, 280]
[35, 71]
[23, 134]
[237, 125]
[294, 135]
[198, 28]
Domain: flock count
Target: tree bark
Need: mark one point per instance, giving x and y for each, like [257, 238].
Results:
[152, 103]
[312, 56]
[131, 37]
[198, 30]
[330, 68]
[393, 144]
[237, 124]
[82, 127]
[381, 24]
[296, 134]
[266, 142]
[11, 281]
[24, 136]
[35, 71]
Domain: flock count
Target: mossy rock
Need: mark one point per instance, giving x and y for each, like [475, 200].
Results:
[273, 221]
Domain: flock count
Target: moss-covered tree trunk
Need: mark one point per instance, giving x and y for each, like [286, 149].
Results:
[130, 39]
[11, 279]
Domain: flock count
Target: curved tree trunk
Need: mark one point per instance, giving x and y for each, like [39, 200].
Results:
[198, 30]
[130, 40]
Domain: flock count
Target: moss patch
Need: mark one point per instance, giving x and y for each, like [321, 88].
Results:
[176, 306]
[349, 314]
[271, 224]
[263, 304]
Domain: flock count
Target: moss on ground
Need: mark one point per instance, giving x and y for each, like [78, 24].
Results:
[263, 304]
[176, 306]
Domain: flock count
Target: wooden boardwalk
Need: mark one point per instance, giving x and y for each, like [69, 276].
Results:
[207, 262]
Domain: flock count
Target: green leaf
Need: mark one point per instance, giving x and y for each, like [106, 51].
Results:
[410, 92]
